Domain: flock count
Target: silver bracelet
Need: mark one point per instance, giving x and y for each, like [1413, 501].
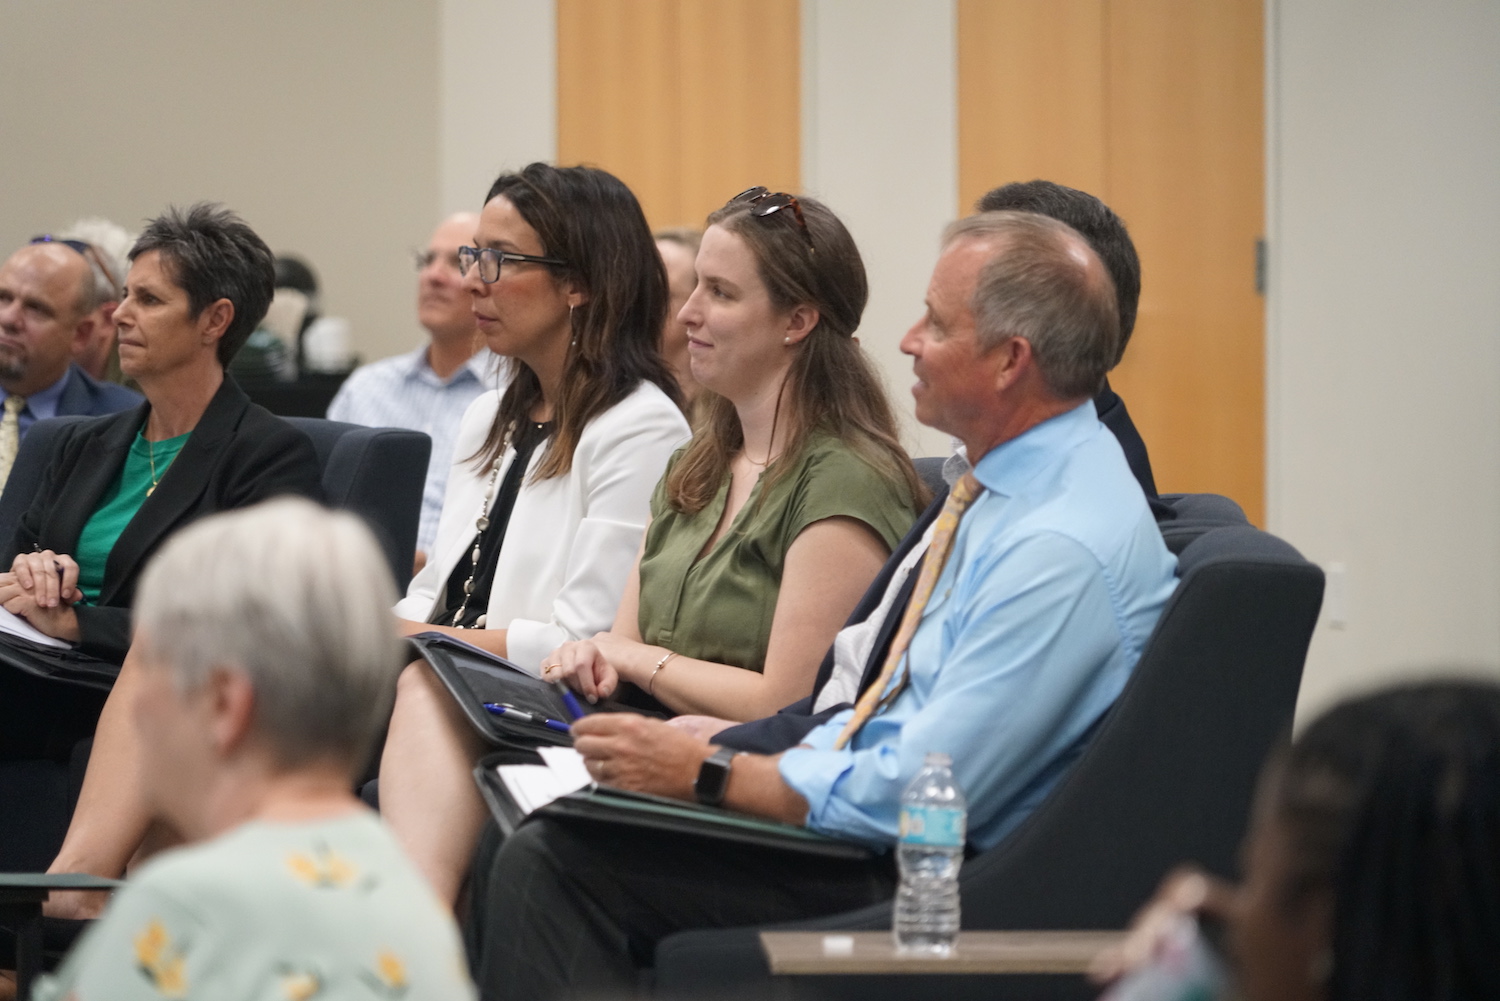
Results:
[651, 681]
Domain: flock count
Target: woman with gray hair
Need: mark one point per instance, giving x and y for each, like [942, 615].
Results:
[268, 664]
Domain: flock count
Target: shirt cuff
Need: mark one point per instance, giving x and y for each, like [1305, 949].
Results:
[813, 770]
[527, 641]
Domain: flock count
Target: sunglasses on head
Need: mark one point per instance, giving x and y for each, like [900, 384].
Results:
[764, 202]
[89, 253]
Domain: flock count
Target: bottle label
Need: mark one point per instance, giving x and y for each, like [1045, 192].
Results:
[941, 826]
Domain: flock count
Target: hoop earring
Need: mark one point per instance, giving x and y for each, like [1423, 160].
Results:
[572, 329]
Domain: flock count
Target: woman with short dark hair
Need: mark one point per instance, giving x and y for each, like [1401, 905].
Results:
[118, 486]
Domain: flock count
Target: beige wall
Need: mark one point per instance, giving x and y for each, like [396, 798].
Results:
[316, 121]
[1383, 333]
[498, 100]
[880, 146]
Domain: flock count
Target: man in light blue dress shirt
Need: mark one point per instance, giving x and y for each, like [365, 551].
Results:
[428, 389]
[1054, 582]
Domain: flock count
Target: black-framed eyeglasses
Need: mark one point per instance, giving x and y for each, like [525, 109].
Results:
[764, 202]
[490, 260]
[90, 253]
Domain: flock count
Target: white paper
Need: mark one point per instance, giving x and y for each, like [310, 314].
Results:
[567, 765]
[534, 786]
[17, 626]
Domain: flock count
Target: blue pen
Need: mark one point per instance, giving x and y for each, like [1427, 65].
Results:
[569, 699]
[497, 709]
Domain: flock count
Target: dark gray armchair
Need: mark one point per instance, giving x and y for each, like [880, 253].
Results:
[1168, 777]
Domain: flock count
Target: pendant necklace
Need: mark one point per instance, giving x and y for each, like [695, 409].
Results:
[151, 455]
[480, 524]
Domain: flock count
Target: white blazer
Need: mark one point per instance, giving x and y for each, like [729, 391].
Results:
[571, 540]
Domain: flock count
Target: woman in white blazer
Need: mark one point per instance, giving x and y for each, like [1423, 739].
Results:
[552, 475]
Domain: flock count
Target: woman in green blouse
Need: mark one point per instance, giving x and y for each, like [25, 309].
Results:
[772, 522]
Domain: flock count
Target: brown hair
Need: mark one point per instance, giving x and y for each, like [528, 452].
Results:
[588, 218]
[831, 387]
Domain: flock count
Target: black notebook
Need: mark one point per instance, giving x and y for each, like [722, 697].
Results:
[606, 805]
[474, 677]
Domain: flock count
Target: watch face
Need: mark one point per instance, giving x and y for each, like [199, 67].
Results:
[713, 777]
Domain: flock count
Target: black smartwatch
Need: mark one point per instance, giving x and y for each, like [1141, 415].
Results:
[713, 776]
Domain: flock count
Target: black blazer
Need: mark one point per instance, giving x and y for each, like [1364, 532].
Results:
[238, 454]
[1113, 415]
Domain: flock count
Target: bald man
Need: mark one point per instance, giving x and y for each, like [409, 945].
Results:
[428, 389]
[47, 317]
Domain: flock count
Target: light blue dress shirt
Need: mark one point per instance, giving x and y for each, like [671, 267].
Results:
[404, 392]
[1057, 576]
[41, 405]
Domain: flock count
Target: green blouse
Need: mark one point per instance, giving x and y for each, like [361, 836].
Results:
[719, 608]
[145, 464]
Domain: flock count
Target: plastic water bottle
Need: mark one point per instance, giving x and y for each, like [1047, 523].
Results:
[934, 817]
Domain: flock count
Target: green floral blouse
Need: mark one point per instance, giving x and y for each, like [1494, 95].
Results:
[276, 912]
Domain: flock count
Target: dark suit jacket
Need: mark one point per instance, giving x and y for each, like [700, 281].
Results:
[88, 397]
[237, 455]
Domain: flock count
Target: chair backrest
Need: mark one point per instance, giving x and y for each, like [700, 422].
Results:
[378, 473]
[1170, 773]
[930, 471]
[1191, 515]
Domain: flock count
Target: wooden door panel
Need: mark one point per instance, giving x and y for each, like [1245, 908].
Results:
[1031, 94]
[687, 102]
[1156, 107]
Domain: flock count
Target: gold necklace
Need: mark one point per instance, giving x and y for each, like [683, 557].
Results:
[770, 446]
[151, 455]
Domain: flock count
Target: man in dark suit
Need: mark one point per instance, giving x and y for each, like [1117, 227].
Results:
[1106, 233]
[47, 314]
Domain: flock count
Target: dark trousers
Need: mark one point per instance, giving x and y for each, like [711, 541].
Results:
[42, 718]
[572, 909]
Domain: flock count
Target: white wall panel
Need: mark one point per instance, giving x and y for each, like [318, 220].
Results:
[316, 121]
[880, 146]
[498, 90]
[1383, 360]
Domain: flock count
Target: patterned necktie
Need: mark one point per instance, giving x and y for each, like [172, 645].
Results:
[10, 435]
[873, 700]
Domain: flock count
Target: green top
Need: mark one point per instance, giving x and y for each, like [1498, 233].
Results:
[719, 608]
[119, 504]
[314, 911]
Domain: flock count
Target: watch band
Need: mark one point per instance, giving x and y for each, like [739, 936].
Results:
[713, 776]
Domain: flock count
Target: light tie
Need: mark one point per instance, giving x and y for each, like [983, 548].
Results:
[10, 435]
[873, 700]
